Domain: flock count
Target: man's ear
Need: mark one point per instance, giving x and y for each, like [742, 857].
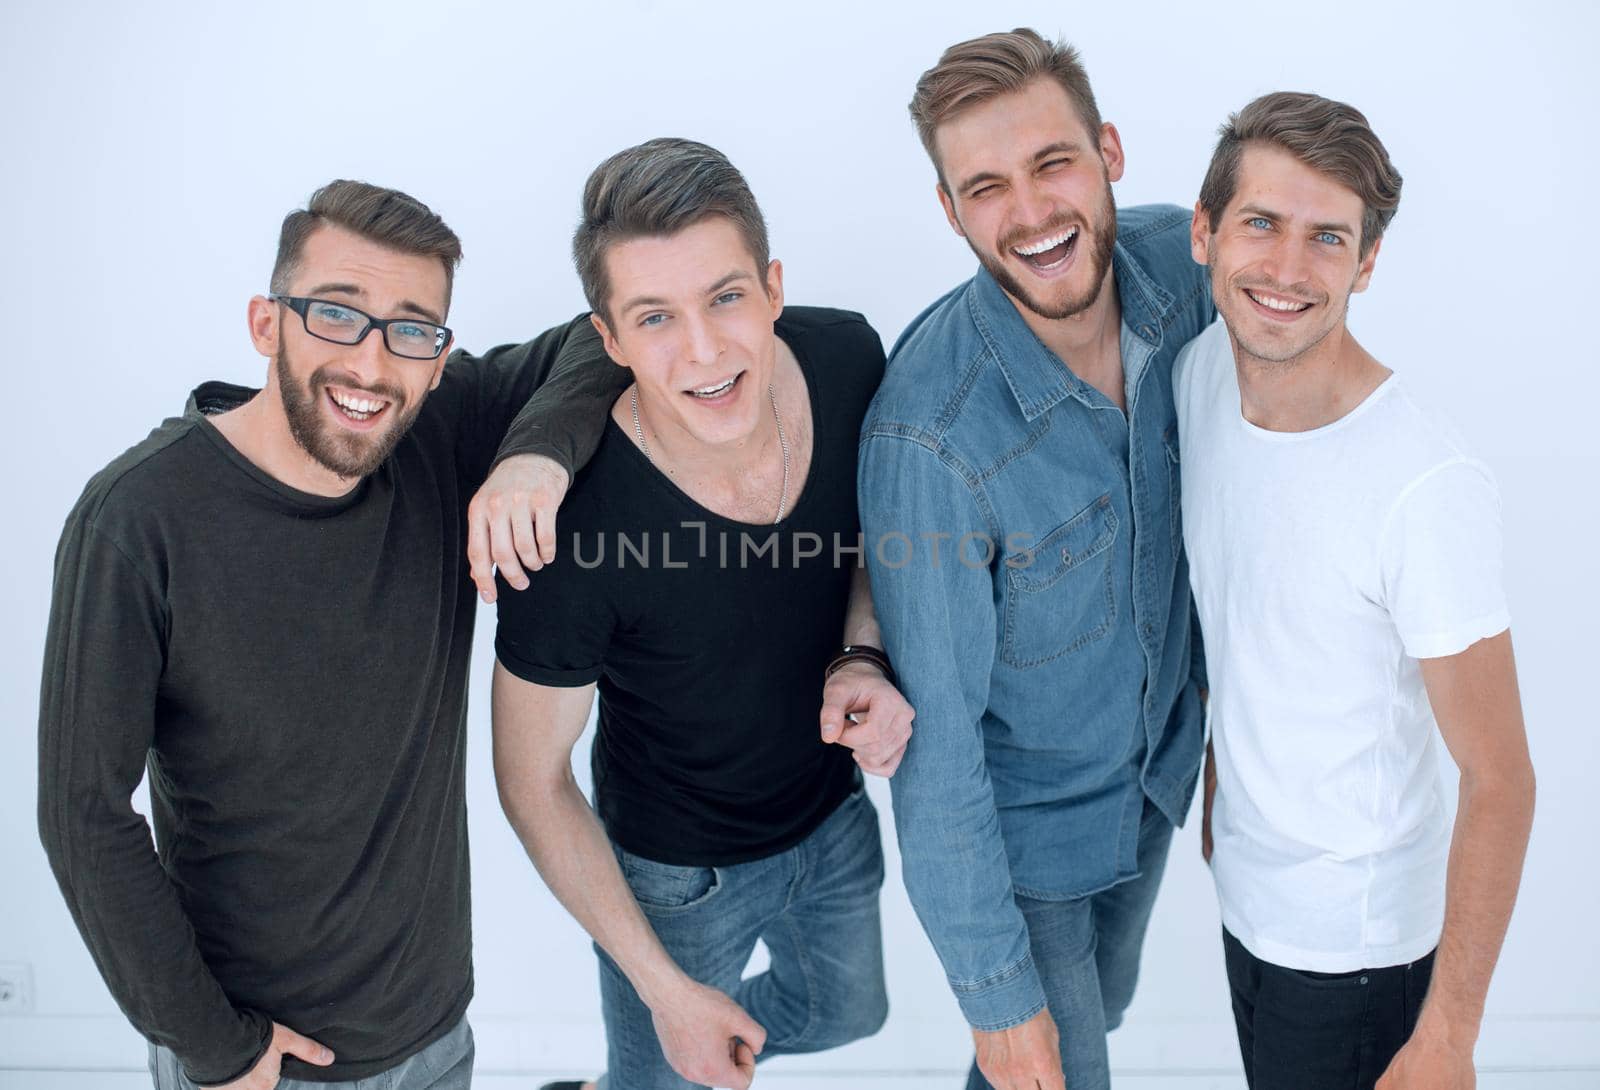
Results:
[613, 349]
[1364, 270]
[1200, 235]
[949, 205]
[775, 287]
[438, 364]
[262, 315]
[1111, 152]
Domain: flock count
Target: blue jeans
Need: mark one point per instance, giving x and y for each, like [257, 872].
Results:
[1087, 953]
[816, 908]
[444, 1065]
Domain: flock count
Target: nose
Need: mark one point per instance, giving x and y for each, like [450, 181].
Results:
[702, 345]
[1032, 204]
[1288, 261]
[367, 358]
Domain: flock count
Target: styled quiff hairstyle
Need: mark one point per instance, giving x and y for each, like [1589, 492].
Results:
[387, 217]
[659, 188]
[1331, 137]
[973, 72]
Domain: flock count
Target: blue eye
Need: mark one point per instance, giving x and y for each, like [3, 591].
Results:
[1260, 222]
[652, 319]
[411, 332]
[329, 312]
[1330, 238]
[728, 297]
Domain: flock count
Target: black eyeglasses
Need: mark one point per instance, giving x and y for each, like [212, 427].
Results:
[344, 324]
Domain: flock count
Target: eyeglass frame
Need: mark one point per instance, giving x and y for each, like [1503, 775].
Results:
[302, 303]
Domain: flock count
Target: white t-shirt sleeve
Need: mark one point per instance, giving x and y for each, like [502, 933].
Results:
[1441, 561]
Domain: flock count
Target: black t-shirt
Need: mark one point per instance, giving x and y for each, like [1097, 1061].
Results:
[708, 637]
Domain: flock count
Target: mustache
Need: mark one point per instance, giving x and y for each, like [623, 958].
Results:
[327, 375]
[1058, 221]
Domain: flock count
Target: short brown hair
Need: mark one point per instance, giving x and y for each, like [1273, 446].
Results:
[976, 71]
[1328, 136]
[387, 217]
[659, 188]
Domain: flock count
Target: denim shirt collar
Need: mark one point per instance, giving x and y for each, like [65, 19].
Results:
[1037, 377]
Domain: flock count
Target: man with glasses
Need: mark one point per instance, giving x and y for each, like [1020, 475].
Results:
[266, 601]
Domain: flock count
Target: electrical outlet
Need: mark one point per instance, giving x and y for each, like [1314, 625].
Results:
[16, 987]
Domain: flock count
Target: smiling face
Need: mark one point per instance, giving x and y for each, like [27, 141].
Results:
[348, 405]
[691, 316]
[1284, 257]
[1029, 188]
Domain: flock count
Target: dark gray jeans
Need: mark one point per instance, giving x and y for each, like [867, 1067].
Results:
[444, 1065]
[1300, 1030]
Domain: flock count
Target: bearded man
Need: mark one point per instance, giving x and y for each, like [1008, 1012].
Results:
[1019, 493]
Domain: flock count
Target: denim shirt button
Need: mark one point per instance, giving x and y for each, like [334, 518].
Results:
[1149, 630]
[1146, 332]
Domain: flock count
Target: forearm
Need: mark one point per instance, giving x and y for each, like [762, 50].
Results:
[1490, 839]
[860, 619]
[940, 631]
[143, 944]
[573, 854]
[565, 417]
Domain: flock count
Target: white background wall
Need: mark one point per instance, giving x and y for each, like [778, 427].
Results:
[151, 151]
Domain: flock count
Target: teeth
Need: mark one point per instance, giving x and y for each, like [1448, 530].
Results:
[713, 391]
[1047, 244]
[1277, 304]
[362, 405]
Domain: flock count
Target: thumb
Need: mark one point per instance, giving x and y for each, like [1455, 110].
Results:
[744, 1067]
[751, 1032]
[832, 719]
[291, 1043]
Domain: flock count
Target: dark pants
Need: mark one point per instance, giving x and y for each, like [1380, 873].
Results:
[1300, 1030]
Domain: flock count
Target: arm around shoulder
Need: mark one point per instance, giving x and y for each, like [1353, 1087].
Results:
[511, 522]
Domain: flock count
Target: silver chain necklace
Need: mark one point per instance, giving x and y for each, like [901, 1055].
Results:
[783, 443]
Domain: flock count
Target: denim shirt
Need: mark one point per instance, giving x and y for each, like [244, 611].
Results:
[1027, 566]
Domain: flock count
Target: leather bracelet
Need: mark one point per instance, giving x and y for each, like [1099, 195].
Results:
[861, 652]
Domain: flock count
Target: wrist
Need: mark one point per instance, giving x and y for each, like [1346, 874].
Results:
[661, 987]
[867, 655]
[1442, 1029]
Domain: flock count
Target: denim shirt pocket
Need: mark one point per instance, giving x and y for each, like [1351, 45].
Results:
[1059, 593]
[662, 888]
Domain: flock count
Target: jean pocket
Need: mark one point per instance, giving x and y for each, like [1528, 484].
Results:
[1327, 982]
[1059, 593]
[668, 888]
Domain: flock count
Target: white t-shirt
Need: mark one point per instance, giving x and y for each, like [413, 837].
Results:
[1325, 563]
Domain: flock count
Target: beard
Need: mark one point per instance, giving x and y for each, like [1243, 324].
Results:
[1103, 238]
[346, 454]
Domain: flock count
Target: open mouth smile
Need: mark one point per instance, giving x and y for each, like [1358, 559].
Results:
[716, 392]
[1051, 252]
[357, 410]
[1280, 307]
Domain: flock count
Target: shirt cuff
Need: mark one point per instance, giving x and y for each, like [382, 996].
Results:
[1008, 998]
[1441, 644]
[549, 677]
